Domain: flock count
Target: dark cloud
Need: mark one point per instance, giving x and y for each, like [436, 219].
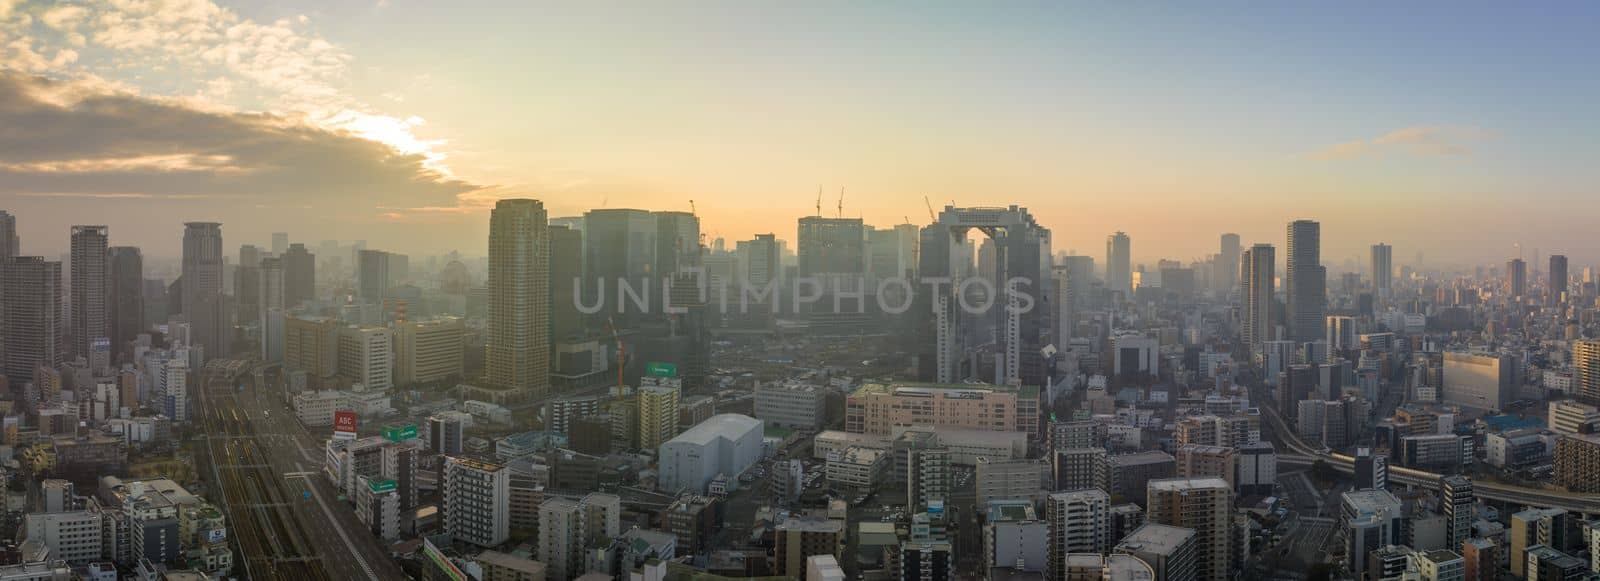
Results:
[61, 138]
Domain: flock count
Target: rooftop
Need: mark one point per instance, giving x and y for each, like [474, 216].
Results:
[1011, 510]
[1156, 538]
[1151, 457]
[1180, 484]
[728, 426]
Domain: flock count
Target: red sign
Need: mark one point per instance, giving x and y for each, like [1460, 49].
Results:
[344, 424]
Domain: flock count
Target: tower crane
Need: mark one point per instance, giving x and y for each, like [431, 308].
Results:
[841, 202]
[931, 216]
[819, 200]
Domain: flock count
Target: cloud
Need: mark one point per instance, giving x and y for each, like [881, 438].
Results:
[80, 139]
[1418, 140]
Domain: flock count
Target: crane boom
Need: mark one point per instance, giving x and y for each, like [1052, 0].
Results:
[929, 204]
[841, 202]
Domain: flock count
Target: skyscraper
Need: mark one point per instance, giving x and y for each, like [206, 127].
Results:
[10, 244]
[1456, 500]
[1558, 278]
[1382, 267]
[203, 303]
[280, 243]
[518, 349]
[127, 298]
[32, 314]
[1516, 278]
[833, 253]
[1305, 283]
[299, 275]
[1119, 264]
[1225, 267]
[1257, 277]
[375, 273]
[91, 329]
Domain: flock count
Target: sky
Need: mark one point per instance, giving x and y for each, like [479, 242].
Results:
[1455, 129]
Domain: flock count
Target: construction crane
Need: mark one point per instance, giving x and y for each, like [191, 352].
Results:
[841, 202]
[931, 216]
[611, 326]
[819, 200]
[692, 211]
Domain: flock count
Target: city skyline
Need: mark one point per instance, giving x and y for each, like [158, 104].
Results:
[265, 116]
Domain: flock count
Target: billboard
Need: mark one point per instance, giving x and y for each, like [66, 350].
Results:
[216, 535]
[400, 433]
[662, 369]
[381, 486]
[344, 425]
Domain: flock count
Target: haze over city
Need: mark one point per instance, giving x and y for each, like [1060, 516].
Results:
[805, 291]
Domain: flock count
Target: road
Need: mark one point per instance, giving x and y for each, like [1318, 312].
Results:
[1295, 451]
[299, 538]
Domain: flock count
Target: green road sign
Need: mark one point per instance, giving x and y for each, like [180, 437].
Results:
[662, 369]
[400, 433]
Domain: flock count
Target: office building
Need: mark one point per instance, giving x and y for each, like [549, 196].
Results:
[1079, 523]
[1483, 381]
[1003, 480]
[366, 356]
[204, 306]
[1077, 468]
[475, 501]
[1204, 505]
[126, 290]
[1372, 520]
[429, 351]
[10, 244]
[1119, 264]
[725, 444]
[33, 334]
[1014, 536]
[1382, 268]
[1371, 470]
[1516, 279]
[91, 277]
[518, 341]
[1556, 288]
[1127, 474]
[881, 409]
[1257, 277]
[299, 275]
[1169, 550]
[1257, 472]
[1569, 417]
[1225, 268]
[1305, 283]
[790, 404]
[446, 432]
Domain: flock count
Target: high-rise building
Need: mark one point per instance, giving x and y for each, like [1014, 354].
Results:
[476, 495]
[1372, 520]
[1570, 417]
[1204, 505]
[798, 538]
[1484, 381]
[1225, 271]
[447, 432]
[280, 243]
[1022, 261]
[31, 310]
[518, 349]
[1516, 279]
[1382, 268]
[1586, 370]
[566, 279]
[1080, 522]
[1169, 550]
[658, 413]
[10, 244]
[1119, 264]
[366, 356]
[376, 272]
[566, 526]
[1257, 277]
[203, 303]
[1305, 283]
[429, 351]
[1457, 502]
[127, 299]
[1557, 287]
[91, 328]
[1371, 470]
[270, 307]
[299, 275]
